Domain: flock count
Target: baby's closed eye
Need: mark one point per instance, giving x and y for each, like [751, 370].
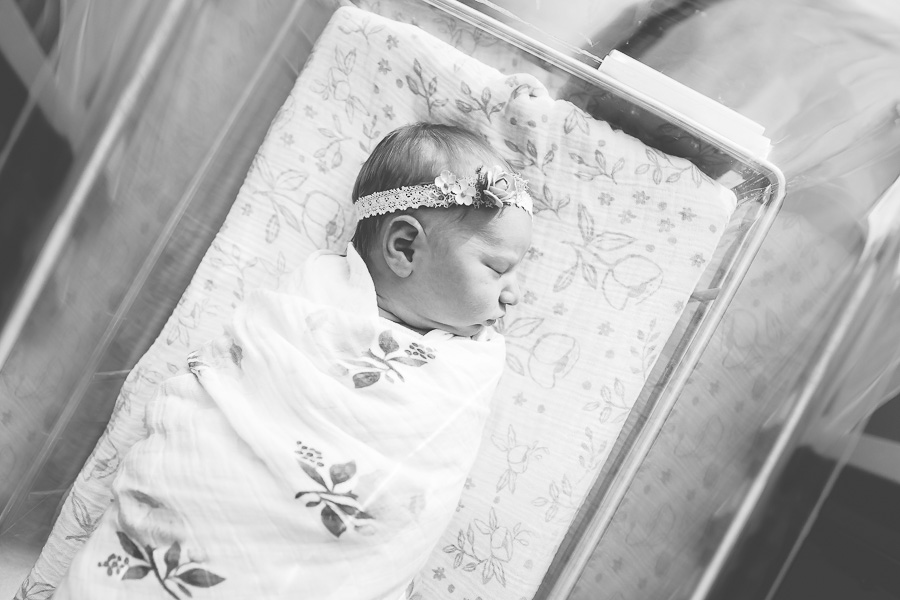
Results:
[499, 268]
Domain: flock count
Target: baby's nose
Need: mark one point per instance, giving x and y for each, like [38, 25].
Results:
[510, 295]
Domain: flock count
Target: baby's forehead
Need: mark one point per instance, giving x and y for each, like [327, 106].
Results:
[502, 232]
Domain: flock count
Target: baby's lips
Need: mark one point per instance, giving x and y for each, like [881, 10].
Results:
[492, 322]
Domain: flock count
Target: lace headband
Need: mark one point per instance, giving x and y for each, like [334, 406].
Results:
[492, 187]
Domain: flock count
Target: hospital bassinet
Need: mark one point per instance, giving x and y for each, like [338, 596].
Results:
[663, 467]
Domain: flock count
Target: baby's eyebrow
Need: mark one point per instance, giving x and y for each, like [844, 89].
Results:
[494, 246]
[505, 255]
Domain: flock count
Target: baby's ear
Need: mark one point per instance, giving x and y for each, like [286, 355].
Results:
[402, 237]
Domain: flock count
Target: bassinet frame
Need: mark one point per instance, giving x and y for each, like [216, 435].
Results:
[760, 196]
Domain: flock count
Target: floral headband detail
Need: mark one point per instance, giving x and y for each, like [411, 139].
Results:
[492, 187]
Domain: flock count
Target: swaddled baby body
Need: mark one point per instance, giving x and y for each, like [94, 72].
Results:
[318, 449]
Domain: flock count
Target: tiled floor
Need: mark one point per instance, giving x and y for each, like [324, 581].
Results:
[853, 550]
[816, 575]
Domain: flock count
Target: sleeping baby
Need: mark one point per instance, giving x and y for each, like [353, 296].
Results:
[319, 448]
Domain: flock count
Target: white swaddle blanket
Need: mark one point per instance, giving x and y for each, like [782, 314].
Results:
[316, 451]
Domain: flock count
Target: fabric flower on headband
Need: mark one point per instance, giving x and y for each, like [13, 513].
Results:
[497, 186]
[490, 187]
[463, 191]
[446, 182]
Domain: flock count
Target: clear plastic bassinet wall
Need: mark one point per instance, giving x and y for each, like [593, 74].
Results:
[128, 129]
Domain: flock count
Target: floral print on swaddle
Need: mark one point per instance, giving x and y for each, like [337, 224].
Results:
[153, 540]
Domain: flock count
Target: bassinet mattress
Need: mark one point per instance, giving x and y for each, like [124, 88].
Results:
[622, 235]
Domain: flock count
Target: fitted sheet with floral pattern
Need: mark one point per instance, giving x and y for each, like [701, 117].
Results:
[622, 235]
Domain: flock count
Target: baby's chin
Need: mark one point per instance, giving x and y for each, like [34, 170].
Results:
[424, 324]
[471, 330]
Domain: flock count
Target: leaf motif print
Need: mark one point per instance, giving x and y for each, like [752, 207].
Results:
[275, 182]
[273, 228]
[515, 364]
[340, 508]
[277, 187]
[80, 511]
[481, 103]
[335, 138]
[464, 107]
[427, 88]
[520, 327]
[362, 29]
[345, 61]
[173, 554]
[529, 156]
[589, 272]
[599, 169]
[626, 280]
[517, 330]
[492, 553]
[561, 498]
[201, 578]
[34, 590]
[333, 522]
[83, 517]
[365, 379]
[371, 133]
[313, 473]
[548, 201]
[130, 547]
[575, 120]
[342, 472]
[387, 343]
[289, 217]
[585, 224]
[518, 457]
[412, 85]
[337, 86]
[608, 241]
[548, 157]
[138, 572]
[565, 279]
[175, 572]
[665, 168]
[412, 362]
[384, 362]
[411, 594]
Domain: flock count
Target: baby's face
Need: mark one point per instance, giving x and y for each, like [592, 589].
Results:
[470, 274]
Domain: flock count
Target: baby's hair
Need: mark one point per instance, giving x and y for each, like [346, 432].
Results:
[413, 155]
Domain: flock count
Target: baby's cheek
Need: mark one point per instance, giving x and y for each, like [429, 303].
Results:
[485, 298]
[453, 281]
